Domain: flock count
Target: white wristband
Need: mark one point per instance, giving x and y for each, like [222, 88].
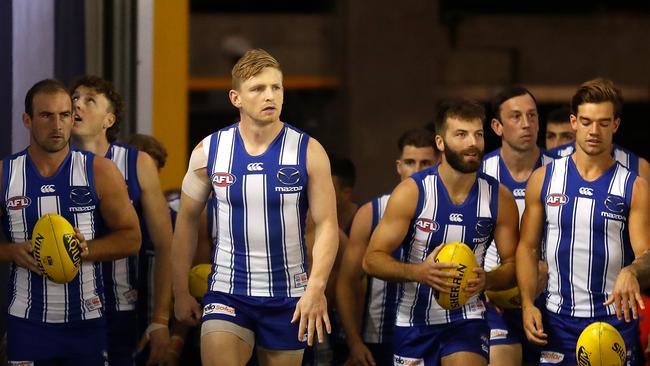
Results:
[153, 327]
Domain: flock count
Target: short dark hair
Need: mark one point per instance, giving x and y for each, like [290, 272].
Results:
[505, 94]
[598, 90]
[464, 109]
[116, 101]
[151, 146]
[46, 86]
[344, 169]
[558, 115]
[418, 137]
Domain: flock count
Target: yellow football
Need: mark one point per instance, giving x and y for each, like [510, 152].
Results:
[505, 299]
[600, 344]
[463, 256]
[56, 248]
[198, 280]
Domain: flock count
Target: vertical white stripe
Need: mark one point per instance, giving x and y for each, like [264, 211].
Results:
[484, 198]
[622, 157]
[417, 253]
[257, 234]
[291, 225]
[55, 300]
[581, 249]
[33, 57]
[614, 244]
[225, 146]
[289, 154]
[120, 159]
[120, 281]
[224, 253]
[557, 184]
[17, 187]
[87, 280]
[617, 185]
[78, 170]
[17, 226]
[491, 167]
[554, 231]
[454, 233]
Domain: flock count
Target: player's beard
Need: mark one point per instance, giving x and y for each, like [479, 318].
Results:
[456, 160]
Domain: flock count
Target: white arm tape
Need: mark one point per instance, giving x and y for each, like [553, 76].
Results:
[196, 183]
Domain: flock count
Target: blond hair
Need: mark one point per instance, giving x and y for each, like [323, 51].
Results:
[251, 64]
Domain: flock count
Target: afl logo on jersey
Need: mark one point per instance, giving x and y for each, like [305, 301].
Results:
[223, 179]
[426, 225]
[556, 199]
[18, 202]
[81, 196]
[288, 176]
[615, 204]
[484, 227]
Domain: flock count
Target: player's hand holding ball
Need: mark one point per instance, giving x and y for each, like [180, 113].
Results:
[56, 248]
[465, 278]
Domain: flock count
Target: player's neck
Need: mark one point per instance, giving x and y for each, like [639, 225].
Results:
[47, 163]
[97, 145]
[458, 184]
[520, 164]
[592, 167]
[258, 136]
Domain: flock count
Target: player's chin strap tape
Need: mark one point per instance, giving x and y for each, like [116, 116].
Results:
[194, 182]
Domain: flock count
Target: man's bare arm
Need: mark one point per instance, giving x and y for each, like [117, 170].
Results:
[124, 237]
[506, 237]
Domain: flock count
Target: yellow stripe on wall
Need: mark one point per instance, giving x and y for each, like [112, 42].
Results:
[170, 78]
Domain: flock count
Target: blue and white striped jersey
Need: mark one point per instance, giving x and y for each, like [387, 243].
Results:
[437, 220]
[586, 236]
[494, 166]
[381, 296]
[27, 196]
[624, 156]
[121, 275]
[260, 205]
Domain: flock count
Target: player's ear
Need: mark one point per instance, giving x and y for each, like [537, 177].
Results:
[109, 120]
[573, 119]
[234, 98]
[497, 126]
[617, 123]
[440, 144]
[27, 121]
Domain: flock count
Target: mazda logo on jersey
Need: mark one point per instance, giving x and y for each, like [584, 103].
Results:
[615, 204]
[426, 225]
[18, 202]
[223, 179]
[484, 227]
[556, 199]
[81, 196]
[288, 175]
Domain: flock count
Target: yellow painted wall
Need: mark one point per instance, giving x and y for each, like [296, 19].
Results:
[170, 79]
